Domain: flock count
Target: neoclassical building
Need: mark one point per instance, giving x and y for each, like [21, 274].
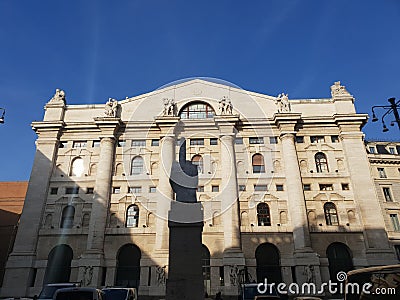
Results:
[288, 190]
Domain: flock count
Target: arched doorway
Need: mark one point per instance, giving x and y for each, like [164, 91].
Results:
[339, 258]
[128, 266]
[205, 262]
[268, 263]
[58, 264]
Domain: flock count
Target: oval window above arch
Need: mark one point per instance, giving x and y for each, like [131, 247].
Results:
[197, 110]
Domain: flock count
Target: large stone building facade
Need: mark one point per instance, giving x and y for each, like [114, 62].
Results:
[285, 185]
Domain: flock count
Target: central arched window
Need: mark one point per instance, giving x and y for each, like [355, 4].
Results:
[67, 218]
[197, 110]
[137, 165]
[321, 163]
[77, 167]
[258, 163]
[198, 161]
[132, 216]
[263, 215]
[331, 215]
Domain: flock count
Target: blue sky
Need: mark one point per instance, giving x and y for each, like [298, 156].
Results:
[100, 49]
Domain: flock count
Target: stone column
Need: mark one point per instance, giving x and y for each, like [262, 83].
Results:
[94, 255]
[303, 254]
[229, 194]
[379, 251]
[21, 260]
[229, 197]
[164, 190]
[102, 195]
[296, 201]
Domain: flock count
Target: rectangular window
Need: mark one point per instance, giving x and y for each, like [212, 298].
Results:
[307, 187]
[299, 139]
[317, 139]
[72, 190]
[387, 194]
[382, 173]
[138, 143]
[279, 187]
[221, 276]
[372, 150]
[79, 144]
[395, 222]
[116, 190]
[152, 189]
[345, 187]
[391, 150]
[53, 191]
[89, 190]
[335, 138]
[326, 187]
[121, 143]
[63, 145]
[155, 143]
[135, 189]
[256, 140]
[242, 188]
[196, 142]
[215, 188]
[273, 140]
[96, 144]
[213, 142]
[239, 141]
[260, 188]
[149, 278]
[382, 149]
[200, 188]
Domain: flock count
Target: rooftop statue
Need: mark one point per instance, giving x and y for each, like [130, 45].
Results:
[169, 107]
[110, 109]
[59, 96]
[282, 102]
[225, 106]
[184, 177]
[338, 90]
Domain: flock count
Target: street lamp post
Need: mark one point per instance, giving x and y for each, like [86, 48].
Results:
[390, 108]
[2, 113]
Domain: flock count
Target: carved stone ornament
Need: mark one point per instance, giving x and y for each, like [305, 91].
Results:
[59, 97]
[282, 103]
[339, 90]
[225, 106]
[110, 110]
[169, 107]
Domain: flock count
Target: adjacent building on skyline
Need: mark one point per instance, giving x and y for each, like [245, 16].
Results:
[289, 188]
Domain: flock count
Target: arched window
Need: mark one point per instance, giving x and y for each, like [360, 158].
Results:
[198, 161]
[268, 263]
[67, 218]
[258, 163]
[339, 259]
[85, 220]
[263, 215]
[58, 264]
[206, 269]
[137, 165]
[321, 163]
[77, 167]
[331, 216]
[128, 266]
[197, 110]
[132, 216]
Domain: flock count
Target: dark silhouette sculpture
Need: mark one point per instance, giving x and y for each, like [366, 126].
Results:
[184, 177]
[185, 274]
